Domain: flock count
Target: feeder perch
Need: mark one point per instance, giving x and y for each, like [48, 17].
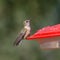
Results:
[48, 37]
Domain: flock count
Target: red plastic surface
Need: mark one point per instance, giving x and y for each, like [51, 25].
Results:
[46, 32]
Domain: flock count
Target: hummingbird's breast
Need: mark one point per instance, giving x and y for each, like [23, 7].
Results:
[27, 27]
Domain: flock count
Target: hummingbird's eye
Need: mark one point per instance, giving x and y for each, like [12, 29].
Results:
[27, 21]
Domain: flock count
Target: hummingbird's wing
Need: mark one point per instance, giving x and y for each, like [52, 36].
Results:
[20, 37]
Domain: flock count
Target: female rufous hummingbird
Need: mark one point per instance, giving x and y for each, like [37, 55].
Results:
[24, 33]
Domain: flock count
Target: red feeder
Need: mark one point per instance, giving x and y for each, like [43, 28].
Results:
[48, 37]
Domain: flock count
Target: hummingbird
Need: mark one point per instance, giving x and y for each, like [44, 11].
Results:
[24, 33]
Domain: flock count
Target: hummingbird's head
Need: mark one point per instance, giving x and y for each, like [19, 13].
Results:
[26, 22]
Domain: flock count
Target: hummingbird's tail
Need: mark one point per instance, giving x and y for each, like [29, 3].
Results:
[18, 40]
